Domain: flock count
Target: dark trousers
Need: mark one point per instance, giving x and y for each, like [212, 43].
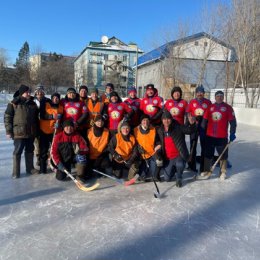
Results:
[25, 144]
[62, 175]
[173, 166]
[45, 143]
[212, 143]
[193, 148]
[148, 167]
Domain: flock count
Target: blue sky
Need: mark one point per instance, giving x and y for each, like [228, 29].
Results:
[67, 27]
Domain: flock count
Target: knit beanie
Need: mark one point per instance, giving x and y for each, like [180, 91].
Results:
[83, 87]
[200, 88]
[111, 85]
[23, 89]
[56, 94]
[71, 90]
[68, 122]
[219, 92]
[166, 115]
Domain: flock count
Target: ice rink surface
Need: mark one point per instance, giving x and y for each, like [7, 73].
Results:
[42, 218]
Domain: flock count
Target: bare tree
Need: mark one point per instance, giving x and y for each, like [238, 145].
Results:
[243, 32]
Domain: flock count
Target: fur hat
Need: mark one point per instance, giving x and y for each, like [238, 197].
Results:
[23, 89]
[176, 89]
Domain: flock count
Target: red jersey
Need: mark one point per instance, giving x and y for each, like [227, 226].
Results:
[171, 150]
[177, 109]
[116, 113]
[198, 107]
[218, 116]
[151, 105]
[73, 110]
[135, 105]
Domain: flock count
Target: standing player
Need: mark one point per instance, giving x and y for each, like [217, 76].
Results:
[152, 105]
[217, 118]
[197, 108]
[177, 106]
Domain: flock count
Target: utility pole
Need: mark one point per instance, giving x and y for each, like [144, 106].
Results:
[136, 67]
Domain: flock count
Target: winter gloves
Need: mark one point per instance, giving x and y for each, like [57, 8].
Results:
[232, 137]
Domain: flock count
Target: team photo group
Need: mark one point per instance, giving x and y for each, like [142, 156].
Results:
[146, 138]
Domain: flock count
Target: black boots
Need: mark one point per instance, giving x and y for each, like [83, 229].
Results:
[16, 166]
[29, 164]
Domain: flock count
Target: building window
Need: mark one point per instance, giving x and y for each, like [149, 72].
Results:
[115, 57]
[125, 58]
[205, 44]
[105, 56]
[196, 43]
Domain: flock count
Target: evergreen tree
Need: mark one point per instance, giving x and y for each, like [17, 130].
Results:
[23, 65]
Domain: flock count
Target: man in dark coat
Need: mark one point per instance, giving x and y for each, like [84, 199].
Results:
[22, 125]
[174, 149]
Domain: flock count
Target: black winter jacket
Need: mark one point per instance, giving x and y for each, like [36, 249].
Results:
[21, 118]
[177, 132]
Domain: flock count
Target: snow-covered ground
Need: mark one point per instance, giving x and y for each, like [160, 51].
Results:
[42, 218]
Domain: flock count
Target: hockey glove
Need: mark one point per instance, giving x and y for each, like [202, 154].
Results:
[80, 158]
[61, 167]
[232, 137]
[117, 157]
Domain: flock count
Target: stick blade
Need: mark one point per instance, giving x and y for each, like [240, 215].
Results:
[84, 188]
[132, 181]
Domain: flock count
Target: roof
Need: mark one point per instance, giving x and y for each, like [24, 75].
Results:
[110, 46]
[161, 52]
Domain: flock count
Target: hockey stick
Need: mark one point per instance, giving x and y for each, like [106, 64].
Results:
[111, 177]
[156, 195]
[80, 185]
[215, 164]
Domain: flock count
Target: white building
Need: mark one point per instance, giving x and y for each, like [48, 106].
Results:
[108, 61]
[197, 59]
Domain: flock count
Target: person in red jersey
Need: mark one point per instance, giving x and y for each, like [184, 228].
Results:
[117, 111]
[152, 105]
[197, 108]
[134, 102]
[217, 120]
[177, 106]
[75, 110]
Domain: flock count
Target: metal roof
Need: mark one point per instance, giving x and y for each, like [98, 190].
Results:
[161, 52]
